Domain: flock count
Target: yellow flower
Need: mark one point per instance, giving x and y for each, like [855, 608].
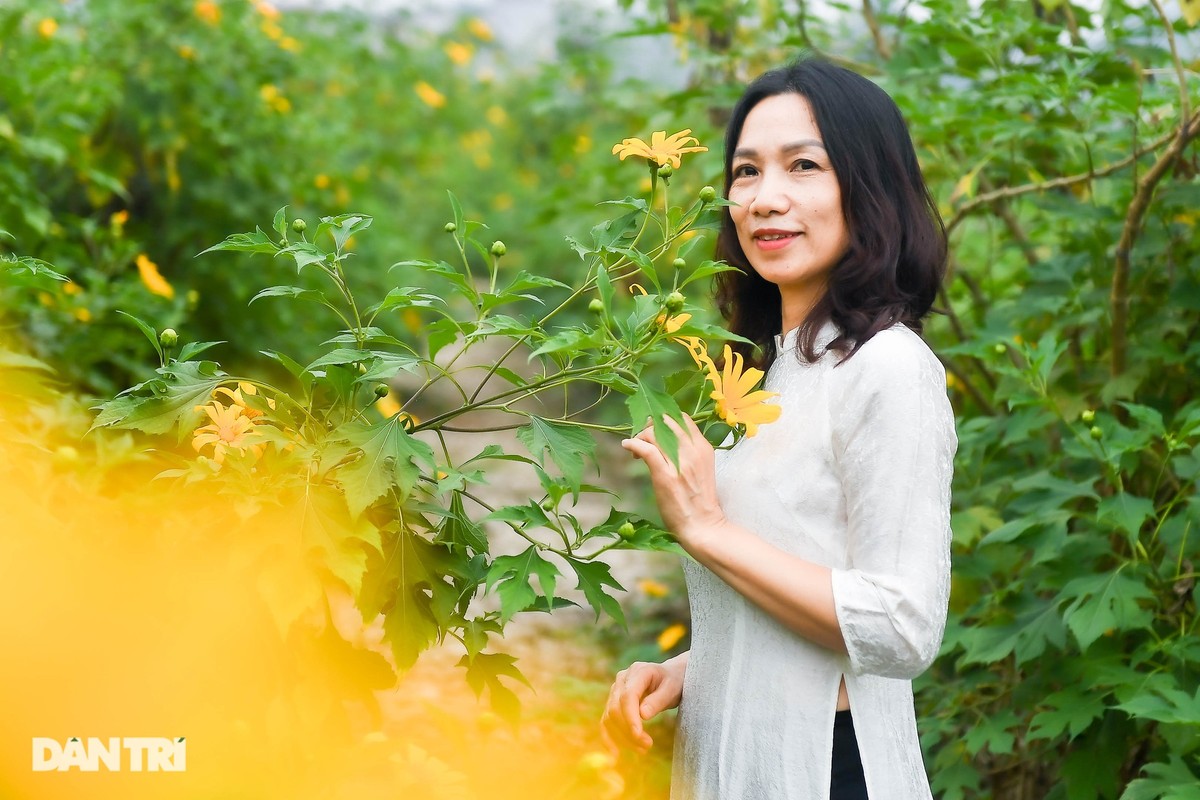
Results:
[479, 29]
[653, 588]
[671, 636]
[208, 11]
[268, 92]
[47, 27]
[662, 149]
[186, 52]
[235, 395]
[737, 403]
[290, 43]
[583, 143]
[154, 281]
[71, 287]
[387, 405]
[272, 30]
[83, 315]
[459, 53]
[321, 181]
[502, 201]
[429, 95]
[668, 324]
[119, 218]
[496, 115]
[230, 429]
[281, 104]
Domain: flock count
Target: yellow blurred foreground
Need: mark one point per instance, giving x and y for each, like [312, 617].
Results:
[132, 612]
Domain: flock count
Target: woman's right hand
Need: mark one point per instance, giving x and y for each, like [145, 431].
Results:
[637, 694]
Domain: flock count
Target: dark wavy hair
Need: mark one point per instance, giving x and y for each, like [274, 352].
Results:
[896, 259]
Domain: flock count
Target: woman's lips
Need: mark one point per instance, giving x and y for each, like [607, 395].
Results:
[774, 240]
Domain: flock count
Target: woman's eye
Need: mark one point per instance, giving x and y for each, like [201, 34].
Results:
[744, 171]
[805, 164]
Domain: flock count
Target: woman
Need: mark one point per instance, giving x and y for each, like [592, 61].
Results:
[820, 569]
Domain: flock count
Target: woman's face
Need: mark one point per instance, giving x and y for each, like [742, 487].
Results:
[789, 205]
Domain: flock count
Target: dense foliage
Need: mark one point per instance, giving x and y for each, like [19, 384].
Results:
[1059, 140]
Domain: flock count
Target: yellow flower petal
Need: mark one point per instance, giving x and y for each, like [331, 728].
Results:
[671, 636]
[662, 149]
[152, 279]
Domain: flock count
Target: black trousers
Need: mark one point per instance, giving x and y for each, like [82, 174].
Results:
[848, 782]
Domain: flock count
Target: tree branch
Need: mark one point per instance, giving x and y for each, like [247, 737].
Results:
[881, 43]
[1055, 183]
[1119, 299]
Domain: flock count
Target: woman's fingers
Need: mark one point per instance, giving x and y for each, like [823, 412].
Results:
[621, 724]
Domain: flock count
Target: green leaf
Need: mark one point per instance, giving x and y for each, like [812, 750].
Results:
[459, 530]
[1105, 603]
[705, 270]
[295, 292]
[1165, 704]
[280, 223]
[484, 670]
[567, 445]
[147, 331]
[342, 227]
[655, 405]
[1071, 710]
[26, 271]
[389, 460]
[256, 242]
[161, 404]
[593, 577]
[304, 254]
[510, 575]
[404, 297]
[1171, 781]
[380, 364]
[192, 349]
[402, 584]
[1127, 512]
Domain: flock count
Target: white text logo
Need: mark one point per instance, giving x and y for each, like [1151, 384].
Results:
[135, 753]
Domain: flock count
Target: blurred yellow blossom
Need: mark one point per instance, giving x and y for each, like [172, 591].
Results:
[653, 588]
[321, 181]
[46, 299]
[152, 279]
[290, 43]
[208, 11]
[388, 405]
[502, 201]
[480, 29]
[418, 774]
[47, 27]
[458, 52]
[671, 636]
[429, 95]
[272, 30]
[583, 143]
[496, 115]
[83, 315]
[186, 52]
[662, 149]
[71, 287]
[230, 429]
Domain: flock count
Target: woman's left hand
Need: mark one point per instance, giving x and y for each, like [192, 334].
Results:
[687, 497]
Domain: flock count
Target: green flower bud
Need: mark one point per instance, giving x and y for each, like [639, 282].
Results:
[168, 337]
[498, 248]
[674, 301]
[1000, 349]
[1096, 432]
[708, 194]
[1087, 416]
[361, 367]
[381, 390]
[299, 225]
[679, 263]
[547, 504]
[596, 306]
[666, 171]
[450, 227]
[626, 531]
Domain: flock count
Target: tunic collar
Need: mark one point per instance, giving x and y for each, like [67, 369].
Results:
[787, 341]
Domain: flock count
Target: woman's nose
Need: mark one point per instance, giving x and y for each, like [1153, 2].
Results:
[771, 197]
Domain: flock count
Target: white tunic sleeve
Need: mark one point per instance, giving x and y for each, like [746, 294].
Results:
[893, 442]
